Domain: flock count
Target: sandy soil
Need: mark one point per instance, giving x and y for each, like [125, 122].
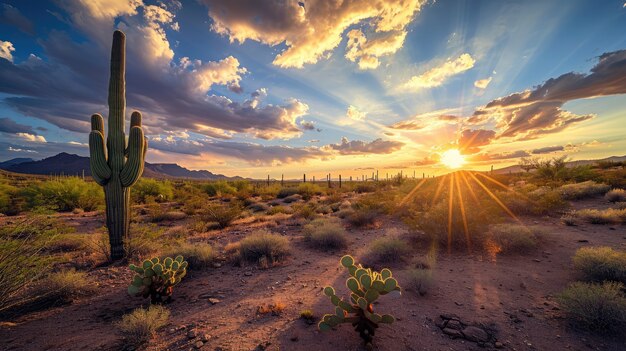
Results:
[514, 295]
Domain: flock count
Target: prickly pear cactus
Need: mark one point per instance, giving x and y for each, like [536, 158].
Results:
[119, 165]
[365, 286]
[157, 279]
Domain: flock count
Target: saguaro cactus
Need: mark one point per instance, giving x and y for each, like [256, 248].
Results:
[118, 166]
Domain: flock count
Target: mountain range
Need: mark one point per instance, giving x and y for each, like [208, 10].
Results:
[70, 164]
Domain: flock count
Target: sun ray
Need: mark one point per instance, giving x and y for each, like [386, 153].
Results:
[470, 188]
[495, 198]
[450, 201]
[463, 216]
[504, 186]
[439, 188]
[412, 192]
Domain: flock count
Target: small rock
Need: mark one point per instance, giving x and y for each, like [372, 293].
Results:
[192, 334]
[453, 333]
[475, 334]
[294, 338]
[205, 337]
[498, 345]
[247, 274]
[453, 324]
[198, 345]
[213, 301]
[217, 265]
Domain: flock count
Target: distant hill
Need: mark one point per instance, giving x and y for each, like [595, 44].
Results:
[517, 169]
[70, 164]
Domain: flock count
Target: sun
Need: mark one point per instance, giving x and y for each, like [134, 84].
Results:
[452, 158]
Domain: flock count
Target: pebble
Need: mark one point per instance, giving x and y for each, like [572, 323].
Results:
[213, 301]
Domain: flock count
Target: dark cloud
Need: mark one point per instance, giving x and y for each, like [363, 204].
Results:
[500, 156]
[12, 16]
[306, 125]
[448, 118]
[358, 147]
[529, 114]
[547, 150]
[8, 125]
[410, 124]
[471, 140]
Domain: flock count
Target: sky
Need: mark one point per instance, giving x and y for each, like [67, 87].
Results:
[251, 88]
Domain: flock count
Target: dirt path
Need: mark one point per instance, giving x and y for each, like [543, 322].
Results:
[513, 294]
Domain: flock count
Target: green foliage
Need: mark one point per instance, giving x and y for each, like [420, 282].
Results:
[199, 255]
[305, 210]
[156, 279]
[327, 234]
[10, 203]
[578, 191]
[367, 211]
[64, 194]
[287, 191]
[139, 326]
[279, 209]
[223, 215]
[616, 195]
[514, 238]
[598, 264]
[366, 286]
[219, 188]
[263, 248]
[597, 307]
[148, 188]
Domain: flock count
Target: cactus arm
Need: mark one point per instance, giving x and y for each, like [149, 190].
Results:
[100, 170]
[116, 140]
[134, 165]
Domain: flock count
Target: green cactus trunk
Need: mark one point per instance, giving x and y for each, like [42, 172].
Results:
[119, 165]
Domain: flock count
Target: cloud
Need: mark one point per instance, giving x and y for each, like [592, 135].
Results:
[411, 124]
[354, 114]
[358, 147]
[31, 137]
[6, 49]
[70, 85]
[500, 156]
[8, 125]
[436, 76]
[306, 125]
[12, 149]
[482, 83]
[12, 16]
[366, 52]
[471, 140]
[531, 113]
[547, 150]
[312, 31]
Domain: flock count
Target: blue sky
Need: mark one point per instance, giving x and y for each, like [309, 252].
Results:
[250, 88]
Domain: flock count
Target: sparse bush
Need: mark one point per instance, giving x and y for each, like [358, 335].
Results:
[199, 255]
[419, 280]
[569, 219]
[64, 286]
[223, 215]
[67, 243]
[308, 316]
[578, 191]
[292, 198]
[306, 211]
[616, 195]
[219, 188]
[258, 207]
[8, 195]
[143, 240]
[279, 209]
[284, 192]
[388, 250]
[607, 216]
[159, 190]
[598, 264]
[598, 307]
[327, 234]
[514, 238]
[140, 326]
[264, 248]
[307, 190]
[275, 308]
[64, 194]
[365, 188]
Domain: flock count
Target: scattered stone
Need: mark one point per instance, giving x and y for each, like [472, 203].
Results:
[453, 333]
[247, 274]
[498, 345]
[198, 345]
[455, 328]
[205, 337]
[192, 334]
[475, 334]
[213, 301]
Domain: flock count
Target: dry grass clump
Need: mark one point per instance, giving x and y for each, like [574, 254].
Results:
[168, 216]
[139, 326]
[514, 238]
[199, 255]
[327, 234]
[583, 190]
[275, 308]
[607, 216]
[264, 248]
[223, 215]
[279, 209]
[597, 307]
[598, 264]
[419, 280]
[64, 286]
[616, 195]
[306, 211]
[388, 250]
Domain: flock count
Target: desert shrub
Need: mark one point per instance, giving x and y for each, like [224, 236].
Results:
[577, 191]
[598, 307]
[292, 198]
[616, 195]
[597, 264]
[308, 190]
[64, 194]
[306, 211]
[159, 190]
[7, 194]
[367, 211]
[64, 286]
[143, 240]
[219, 188]
[388, 250]
[258, 207]
[419, 280]
[264, 248]
[67, 243]
[540, 201]
[139, 326]
[223, 215]
[199, 255]
[364, 188]
[326, 234]
[514, 238]
[620, 205]
[569, 219]
[21, 261]
[287, 191]
[607, 216]
[279, 209]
